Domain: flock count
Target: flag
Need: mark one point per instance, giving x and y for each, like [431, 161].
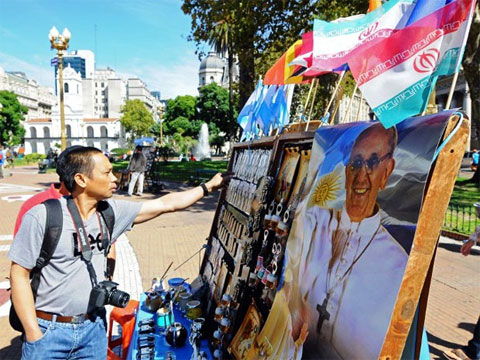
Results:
[245, 116]
[334, 41]
[264, 116]
[281, 72]
[373, 4]
[397, 74]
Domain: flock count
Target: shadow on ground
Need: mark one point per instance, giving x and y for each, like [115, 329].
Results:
[456, 248]
[13, 351]
[435, 352]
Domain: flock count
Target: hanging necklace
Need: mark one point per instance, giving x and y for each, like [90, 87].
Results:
[324, 315]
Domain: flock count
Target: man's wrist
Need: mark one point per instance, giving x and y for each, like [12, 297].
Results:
[205, 188]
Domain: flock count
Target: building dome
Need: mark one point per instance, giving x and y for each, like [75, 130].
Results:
[212, 62]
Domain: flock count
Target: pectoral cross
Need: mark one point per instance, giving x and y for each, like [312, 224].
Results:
[323, 314]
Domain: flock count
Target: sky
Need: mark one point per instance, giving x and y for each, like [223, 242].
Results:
[136, 38]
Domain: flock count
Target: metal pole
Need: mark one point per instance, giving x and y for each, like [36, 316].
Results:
[63, 136]
[452, 89]
[350, 103]
[342, 74]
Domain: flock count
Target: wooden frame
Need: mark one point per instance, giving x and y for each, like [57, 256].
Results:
[250, 327]
[437, 196]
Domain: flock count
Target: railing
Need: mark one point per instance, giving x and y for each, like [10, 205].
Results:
[461, 218]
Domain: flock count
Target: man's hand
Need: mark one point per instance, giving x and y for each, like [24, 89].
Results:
[219, 180]
[466, 247]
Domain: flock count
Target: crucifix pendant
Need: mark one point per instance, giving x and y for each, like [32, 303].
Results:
[323, 314]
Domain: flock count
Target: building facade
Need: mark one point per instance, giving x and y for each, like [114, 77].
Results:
[38, 99]
[43, 134]
[214, 68]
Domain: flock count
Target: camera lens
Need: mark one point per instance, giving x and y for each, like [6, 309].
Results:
[119, 298]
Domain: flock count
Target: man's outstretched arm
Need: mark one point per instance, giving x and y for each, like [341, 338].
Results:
[179, 200]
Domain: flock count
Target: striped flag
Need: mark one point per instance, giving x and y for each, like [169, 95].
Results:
[334, 41]
[397, 74]
[281, 72]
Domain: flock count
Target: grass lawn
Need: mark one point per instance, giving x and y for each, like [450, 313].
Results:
[179, 171]
[461, 216]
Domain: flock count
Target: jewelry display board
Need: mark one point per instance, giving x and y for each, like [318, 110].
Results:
[244, 260]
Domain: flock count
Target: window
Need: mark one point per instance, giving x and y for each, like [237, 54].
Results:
[96, 85]
[96, 92]
[33, 133]
[90, 132]
[103, 85]
[46, 132]
[103, 131]
[66, 87]
[211, 78]
[68, 129]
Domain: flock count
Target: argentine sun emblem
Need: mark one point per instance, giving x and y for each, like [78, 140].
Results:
[326, 189]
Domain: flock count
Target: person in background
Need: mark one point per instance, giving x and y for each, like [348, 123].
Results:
[2, 161]
[472, 349]
[137, 167]
[475, 159]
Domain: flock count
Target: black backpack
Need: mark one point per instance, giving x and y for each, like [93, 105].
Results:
[53, 231]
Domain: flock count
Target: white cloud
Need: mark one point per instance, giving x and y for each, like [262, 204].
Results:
[43, 75]
[171, 81]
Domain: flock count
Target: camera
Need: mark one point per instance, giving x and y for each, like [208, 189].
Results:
[106, 293]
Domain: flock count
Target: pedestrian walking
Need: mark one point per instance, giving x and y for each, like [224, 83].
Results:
[137, 167]
[472, 349]
[2, 161]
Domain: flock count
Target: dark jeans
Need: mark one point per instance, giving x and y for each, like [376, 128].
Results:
[473, 347]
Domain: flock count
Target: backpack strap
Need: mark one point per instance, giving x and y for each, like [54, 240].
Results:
[109, 217]
[51, 237]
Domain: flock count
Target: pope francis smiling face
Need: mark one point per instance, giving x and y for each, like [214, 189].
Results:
[368, 170]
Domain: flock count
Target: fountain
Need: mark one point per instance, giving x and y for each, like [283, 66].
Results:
[202, 149]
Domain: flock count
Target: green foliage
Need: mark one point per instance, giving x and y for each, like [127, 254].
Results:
[217, 142]
[181, 106]
[120, 151]
[11, 115]
[259, 32]
[213, 107]
[166, 151]
[34, 157]
[183, 171]
[136, 119]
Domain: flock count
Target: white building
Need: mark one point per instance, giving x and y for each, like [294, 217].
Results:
[44, 133]
[38, 99]
[214, 68]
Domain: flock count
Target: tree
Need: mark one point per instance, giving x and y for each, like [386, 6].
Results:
[260, 31]
[11, 115]
[136, 119]
[213, 107]
[220, 39]
[471, 69]
[180, 106]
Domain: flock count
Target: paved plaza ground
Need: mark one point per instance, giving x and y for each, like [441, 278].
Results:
[453, 305]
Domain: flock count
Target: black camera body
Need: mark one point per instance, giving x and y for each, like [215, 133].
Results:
[106, 293]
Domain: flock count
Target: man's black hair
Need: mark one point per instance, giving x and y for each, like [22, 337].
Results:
[77, 161]
[61, 160]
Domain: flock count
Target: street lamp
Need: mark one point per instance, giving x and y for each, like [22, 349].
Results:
[60, 43]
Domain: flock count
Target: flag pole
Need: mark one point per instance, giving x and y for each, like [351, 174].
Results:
[342, 74]
[460, 56]
[308, 98]
[337, 105]
[359, 107]
[350, 103]
[312, 103]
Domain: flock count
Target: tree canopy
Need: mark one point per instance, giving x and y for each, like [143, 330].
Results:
[136, 118]
[213, 107]
[260, 31]
[11, 115]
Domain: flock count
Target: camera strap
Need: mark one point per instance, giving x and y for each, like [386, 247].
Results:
[82, 235]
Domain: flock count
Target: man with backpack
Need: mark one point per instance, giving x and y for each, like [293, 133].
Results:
[66, 318]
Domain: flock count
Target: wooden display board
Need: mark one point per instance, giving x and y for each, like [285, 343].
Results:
[416, 278]
[439, 189]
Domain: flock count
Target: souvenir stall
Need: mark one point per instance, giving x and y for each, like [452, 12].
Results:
[322, 243]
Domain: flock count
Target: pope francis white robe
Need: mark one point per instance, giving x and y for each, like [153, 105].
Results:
[361, 266]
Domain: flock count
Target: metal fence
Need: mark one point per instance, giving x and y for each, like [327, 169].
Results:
[461, 218]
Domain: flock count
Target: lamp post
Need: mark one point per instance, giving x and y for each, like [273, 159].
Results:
[60, 43]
